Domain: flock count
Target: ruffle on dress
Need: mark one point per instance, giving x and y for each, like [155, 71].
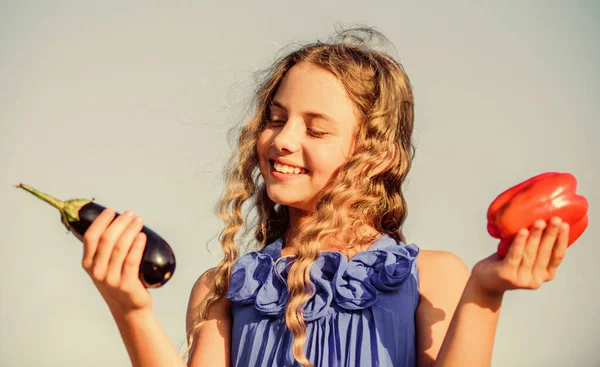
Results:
[259, 280]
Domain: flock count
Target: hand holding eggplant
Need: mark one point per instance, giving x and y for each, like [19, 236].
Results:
[77, 215]
[113, 250]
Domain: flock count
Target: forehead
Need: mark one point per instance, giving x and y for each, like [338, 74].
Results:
[309, 88]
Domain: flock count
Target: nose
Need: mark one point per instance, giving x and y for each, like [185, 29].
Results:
[288, 138]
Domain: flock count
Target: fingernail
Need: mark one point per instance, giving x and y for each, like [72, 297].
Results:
[139, 220]
[128, 213]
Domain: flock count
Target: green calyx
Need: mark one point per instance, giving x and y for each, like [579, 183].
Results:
[69, 209]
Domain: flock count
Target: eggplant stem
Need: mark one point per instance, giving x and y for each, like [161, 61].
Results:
[58, 204]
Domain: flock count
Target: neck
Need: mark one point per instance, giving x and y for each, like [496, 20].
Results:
[299, 218]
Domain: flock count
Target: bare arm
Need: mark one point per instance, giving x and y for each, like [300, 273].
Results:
[211, 346]
[148, 345]
[470, 338]
[442, 278]
[113, 251]
[112, 254]
[456, 326]
[458, 315]
[146, 341]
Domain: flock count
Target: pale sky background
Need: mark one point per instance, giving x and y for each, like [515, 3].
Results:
[130, 103]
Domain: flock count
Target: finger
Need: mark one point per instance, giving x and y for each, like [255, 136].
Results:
[131, 266]
[532, 245]
[560, 249]
[107, 242]
[92, 236]
[546, 247]
[517, 248]
[120, 251]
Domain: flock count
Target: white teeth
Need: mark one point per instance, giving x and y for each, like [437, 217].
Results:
[286, 169]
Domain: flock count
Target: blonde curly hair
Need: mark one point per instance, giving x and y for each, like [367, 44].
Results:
[366, 190]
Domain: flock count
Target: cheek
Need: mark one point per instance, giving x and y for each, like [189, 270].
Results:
[263, 143]
[326, 161]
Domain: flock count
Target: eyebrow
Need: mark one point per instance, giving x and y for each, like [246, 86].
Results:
[307, 113]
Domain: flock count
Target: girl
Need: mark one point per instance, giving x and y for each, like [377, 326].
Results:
[332, 283]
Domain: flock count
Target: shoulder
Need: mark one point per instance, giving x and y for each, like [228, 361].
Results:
[442, 277]
[202, 285]
[433, 265]
[204, 281]
[200, 289]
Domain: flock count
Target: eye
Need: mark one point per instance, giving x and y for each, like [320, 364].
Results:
[275, 122]
[316, 133]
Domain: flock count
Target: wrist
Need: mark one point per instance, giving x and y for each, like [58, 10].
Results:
[130, 315]
[478, 294]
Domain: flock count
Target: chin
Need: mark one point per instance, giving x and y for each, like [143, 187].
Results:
[282, 199]
[287, 200]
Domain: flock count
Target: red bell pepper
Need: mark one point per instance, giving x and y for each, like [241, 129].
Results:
[540, 197]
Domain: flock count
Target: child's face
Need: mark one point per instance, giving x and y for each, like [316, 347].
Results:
[311, 126]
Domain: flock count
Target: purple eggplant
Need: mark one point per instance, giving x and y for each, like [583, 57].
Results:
[158, 260]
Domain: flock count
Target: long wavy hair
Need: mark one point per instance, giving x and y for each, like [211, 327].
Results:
[366, 190]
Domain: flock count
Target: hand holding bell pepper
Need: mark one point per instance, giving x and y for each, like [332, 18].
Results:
[543, 196]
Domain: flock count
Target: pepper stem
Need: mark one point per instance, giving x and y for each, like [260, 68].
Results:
[58, 204]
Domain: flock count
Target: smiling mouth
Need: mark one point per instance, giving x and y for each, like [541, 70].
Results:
[285, 169]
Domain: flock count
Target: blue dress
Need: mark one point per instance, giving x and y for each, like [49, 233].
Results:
[362, 313]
